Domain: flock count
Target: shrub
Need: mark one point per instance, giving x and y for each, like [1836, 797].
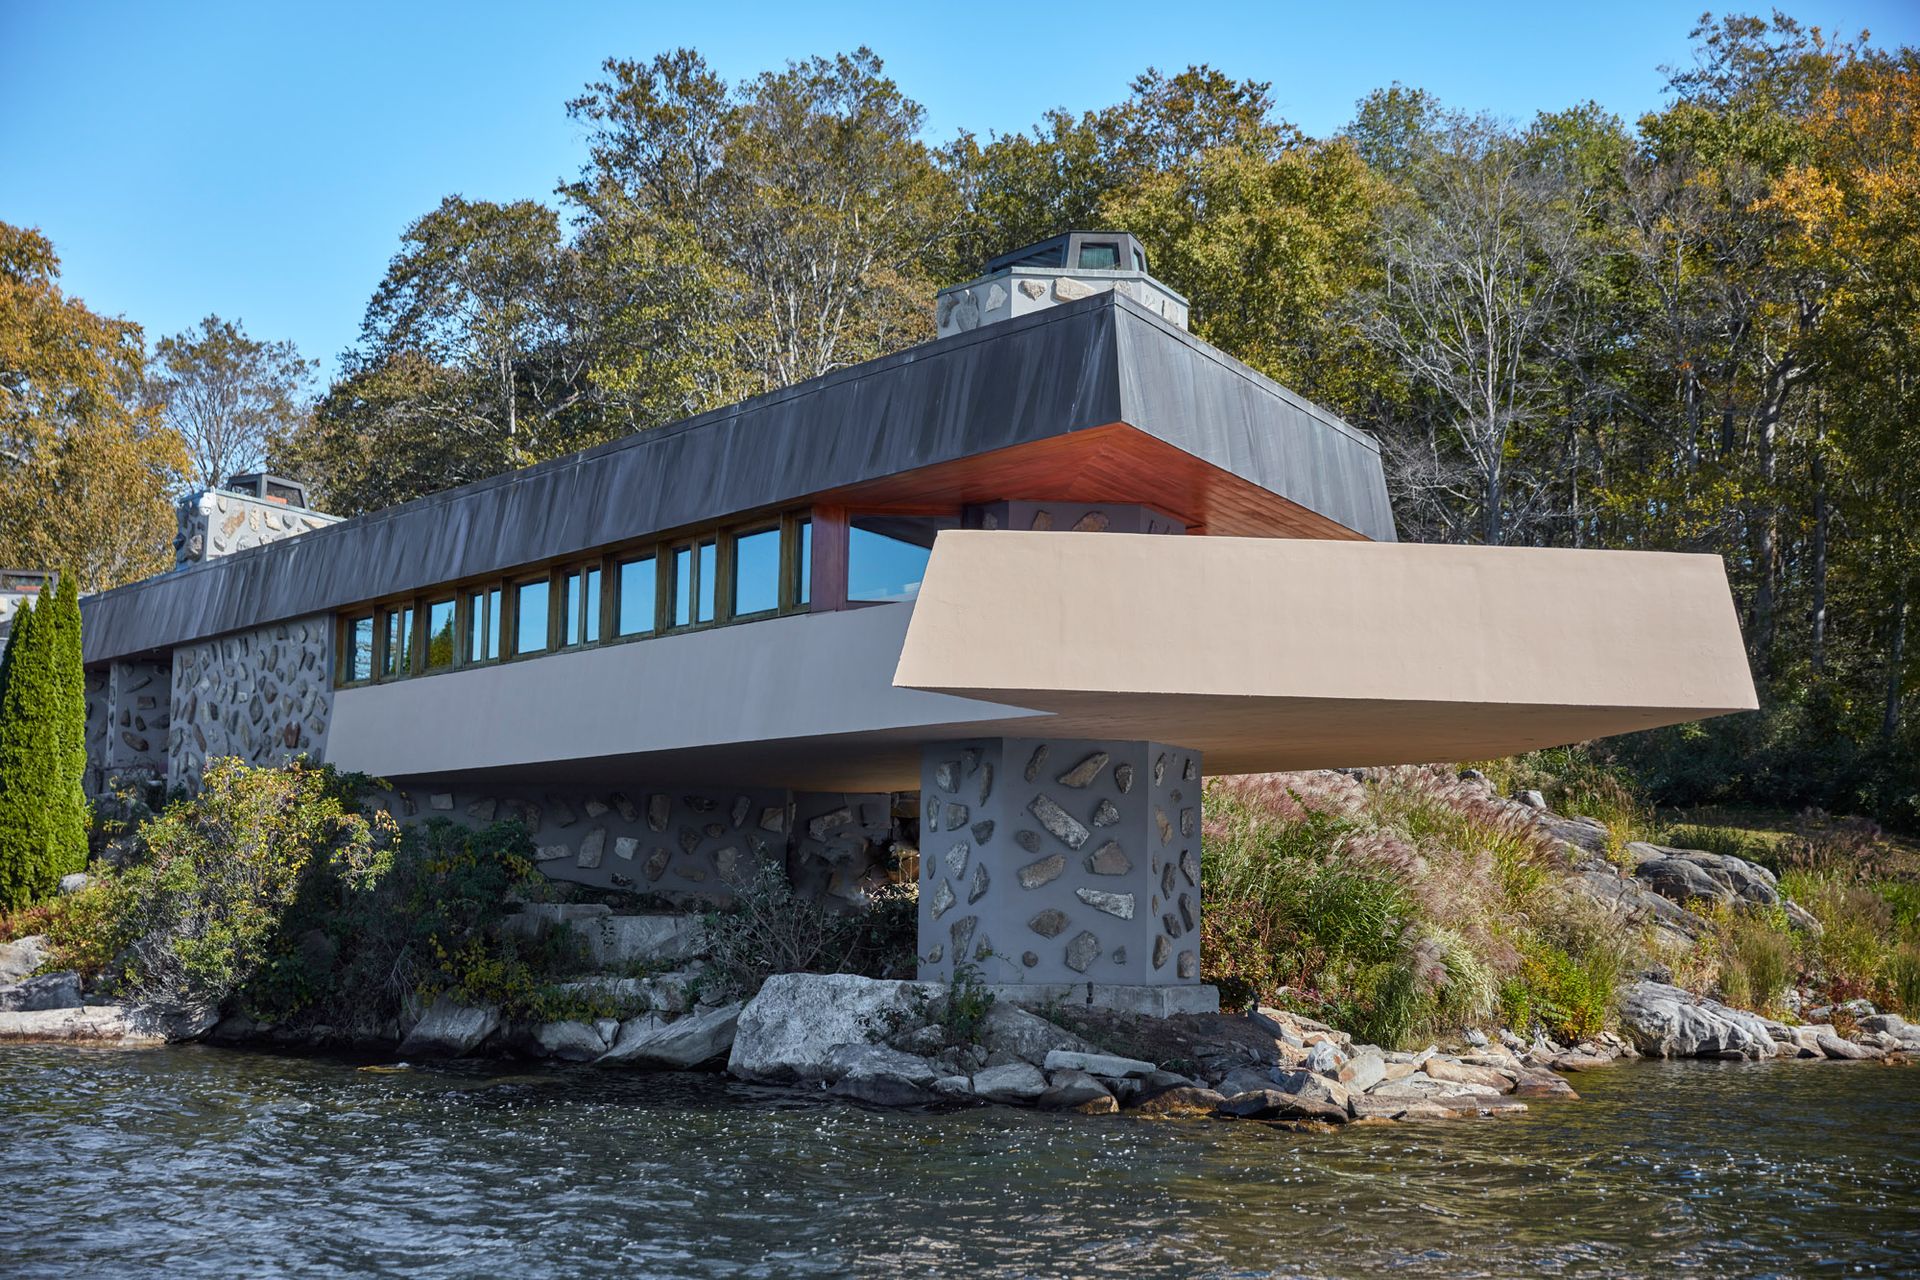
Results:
[770, 929]
[205, 906]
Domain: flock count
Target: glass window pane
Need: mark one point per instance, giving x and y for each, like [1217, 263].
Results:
[591, 627]
[887, 555]
[570, 635]
[1099, 257]
[682, 586]
[399, 629]
[639, 582]
[439, 634]
[806, 561]
[530, 617]
[756, 572]
[709, 578]
[493, 624]
[475, 646]
[360, 648]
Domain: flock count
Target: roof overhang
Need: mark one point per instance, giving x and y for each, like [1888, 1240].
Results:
[1282, 653]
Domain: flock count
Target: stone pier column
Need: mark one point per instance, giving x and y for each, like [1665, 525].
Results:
[1048, 862]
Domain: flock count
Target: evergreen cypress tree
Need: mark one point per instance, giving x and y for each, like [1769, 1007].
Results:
[68, 712]
[28, 758]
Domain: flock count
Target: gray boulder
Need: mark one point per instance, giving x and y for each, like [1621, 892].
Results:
[1009, 1030]
[1018, 1083]
[74, 881]
[570, 1041]
[682, 1044]
[1665, 1022]
[1071, 1088]
[449, 1029]
[48, 991]
[1424, 1088]
[1638, 904]
[879, 1060]
[1845, 1050]
[789, 1031]
[1296, 1095]
[1099, 1064]
[21, 957]
[1905, 1033]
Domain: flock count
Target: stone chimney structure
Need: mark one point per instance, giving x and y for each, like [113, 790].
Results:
[248, 511]
[1069, 266]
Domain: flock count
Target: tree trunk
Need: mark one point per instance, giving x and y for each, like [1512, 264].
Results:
[1818, 647]
[1896, 663]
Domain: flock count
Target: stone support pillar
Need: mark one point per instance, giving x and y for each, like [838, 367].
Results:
[1060, 861]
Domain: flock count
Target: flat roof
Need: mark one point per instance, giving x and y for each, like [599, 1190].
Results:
[1088, 364]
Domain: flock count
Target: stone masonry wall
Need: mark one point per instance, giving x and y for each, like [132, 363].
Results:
[690, 844]
[215, 522]
[1060, 861]
[265, 696]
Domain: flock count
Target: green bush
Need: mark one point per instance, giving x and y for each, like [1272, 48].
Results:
[769, 929]
[204, 908]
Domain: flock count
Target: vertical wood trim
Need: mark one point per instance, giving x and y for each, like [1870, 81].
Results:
[829, 587]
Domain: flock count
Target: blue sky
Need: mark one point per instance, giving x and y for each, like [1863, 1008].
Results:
[259, 161]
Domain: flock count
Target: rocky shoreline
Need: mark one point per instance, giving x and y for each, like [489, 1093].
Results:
[911, 1044]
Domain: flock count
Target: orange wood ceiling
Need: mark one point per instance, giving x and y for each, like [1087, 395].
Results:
[1114, 463]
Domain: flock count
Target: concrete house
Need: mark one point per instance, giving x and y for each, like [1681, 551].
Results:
[1002, 599]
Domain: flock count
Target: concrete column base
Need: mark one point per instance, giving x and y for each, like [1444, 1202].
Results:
[1157, 1001]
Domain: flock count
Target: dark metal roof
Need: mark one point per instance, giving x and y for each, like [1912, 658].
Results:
[1088, 363]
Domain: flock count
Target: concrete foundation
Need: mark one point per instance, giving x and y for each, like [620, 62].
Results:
[1060, 863]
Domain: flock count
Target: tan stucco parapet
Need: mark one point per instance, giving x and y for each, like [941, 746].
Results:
[1286, 653]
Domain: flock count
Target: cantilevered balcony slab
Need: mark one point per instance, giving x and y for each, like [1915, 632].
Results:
[1283, 653]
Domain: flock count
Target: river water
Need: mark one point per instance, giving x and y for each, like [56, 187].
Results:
[203, 1161]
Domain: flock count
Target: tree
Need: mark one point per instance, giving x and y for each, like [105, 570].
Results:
[805, 194]
[472, 361]
[228, 396]
[42, 814]
[69, 814]
[86, 469]
[1483, 261]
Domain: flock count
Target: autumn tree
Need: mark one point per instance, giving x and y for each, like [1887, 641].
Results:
[228, 396]
[87, 469]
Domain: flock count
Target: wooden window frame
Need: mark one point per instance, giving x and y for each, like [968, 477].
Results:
[471, 597]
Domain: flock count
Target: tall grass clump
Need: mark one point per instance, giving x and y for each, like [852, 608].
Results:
[1395, 908]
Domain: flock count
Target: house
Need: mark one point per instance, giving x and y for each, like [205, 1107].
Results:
[981, 613]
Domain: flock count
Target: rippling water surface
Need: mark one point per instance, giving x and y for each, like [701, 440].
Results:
[205, 1161]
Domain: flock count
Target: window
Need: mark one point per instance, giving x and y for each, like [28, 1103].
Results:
[683, 586]
[638, 582]
[358, 658]
[709, 579]
[398, 629]
[1139, 260]
[887, 555]
[530, 616]
[805, 594]
[439, 634]
[1099, 257]
[717, 575]
[483, 625]
[756, 572]
[582, 601]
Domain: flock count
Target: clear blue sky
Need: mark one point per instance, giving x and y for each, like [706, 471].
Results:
[260, 160]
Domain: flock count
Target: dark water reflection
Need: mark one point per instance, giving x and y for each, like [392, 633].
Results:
[212, 1162]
